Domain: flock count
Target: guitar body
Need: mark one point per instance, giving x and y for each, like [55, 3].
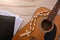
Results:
[38, 33]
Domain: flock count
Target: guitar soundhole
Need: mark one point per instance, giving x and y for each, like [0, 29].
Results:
[46, 25]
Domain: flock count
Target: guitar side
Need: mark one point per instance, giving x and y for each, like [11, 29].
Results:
[37, 34]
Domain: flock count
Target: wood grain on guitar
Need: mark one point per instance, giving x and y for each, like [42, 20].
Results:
[39, 33]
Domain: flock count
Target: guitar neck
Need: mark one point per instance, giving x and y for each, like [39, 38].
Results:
[53, 13]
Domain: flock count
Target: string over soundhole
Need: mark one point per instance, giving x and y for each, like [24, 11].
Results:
[47, 25]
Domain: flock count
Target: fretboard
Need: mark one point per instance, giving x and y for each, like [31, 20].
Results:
[53, 13]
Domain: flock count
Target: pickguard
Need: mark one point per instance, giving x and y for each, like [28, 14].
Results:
[51, 35]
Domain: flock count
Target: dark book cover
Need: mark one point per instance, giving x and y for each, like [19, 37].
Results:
[6, 27]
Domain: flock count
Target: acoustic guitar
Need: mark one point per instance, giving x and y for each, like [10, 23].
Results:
[44, 25]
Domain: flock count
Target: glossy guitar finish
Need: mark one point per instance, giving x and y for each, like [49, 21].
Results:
[39, 34]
